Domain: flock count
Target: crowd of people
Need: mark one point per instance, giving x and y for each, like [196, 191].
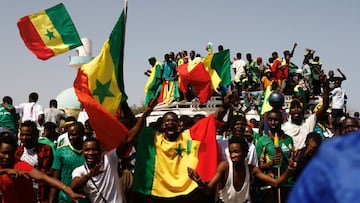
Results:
[49, 156]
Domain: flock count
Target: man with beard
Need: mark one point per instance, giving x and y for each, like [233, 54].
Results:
[273, 150]
[297, 127]
[162, 158]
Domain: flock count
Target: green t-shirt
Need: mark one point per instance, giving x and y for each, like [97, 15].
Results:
[66, 160]
[265, 150]
[7, 119]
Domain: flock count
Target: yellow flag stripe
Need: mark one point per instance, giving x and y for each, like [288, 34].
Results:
[44, 26]
[101, 69]
[215, 78]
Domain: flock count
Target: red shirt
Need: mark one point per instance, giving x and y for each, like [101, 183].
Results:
[18, 190]
[45, 159]
[279, 73]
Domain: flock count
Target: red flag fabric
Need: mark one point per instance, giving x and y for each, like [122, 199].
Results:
[99, 87]
[195, 74]
[49, 32]
[108, 129]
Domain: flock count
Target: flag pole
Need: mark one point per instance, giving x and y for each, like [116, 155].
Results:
[125, 19]
[120, 74]
[277, 151]
[125, 9]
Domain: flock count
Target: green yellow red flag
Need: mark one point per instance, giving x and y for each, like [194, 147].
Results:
[49, 32]
[220, 62]
[161, 165]
[153, 85]
[195, 74]
[99, 86]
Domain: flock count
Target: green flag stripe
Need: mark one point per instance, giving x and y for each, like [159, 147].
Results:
[145, 162]
[221, 63]
[64, 26]
[116, 42]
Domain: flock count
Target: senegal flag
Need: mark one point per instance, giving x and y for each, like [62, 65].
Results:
[265, 107]
[153, 85]
[49, 32]
[99, 87]
[161, 165]
[195, 74]
[220, 62]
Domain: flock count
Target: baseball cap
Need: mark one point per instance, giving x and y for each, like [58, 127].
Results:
[295, 102]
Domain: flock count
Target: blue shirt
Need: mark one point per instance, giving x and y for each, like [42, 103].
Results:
[169, 70]
[333, 175]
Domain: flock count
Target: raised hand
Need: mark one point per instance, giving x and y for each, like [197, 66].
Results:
[291, 160]
[149, 108]
[96, 170]
[228, 99]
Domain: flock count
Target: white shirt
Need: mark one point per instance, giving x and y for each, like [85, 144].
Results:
[53, 115]
[30, 111]
[83, 116]
[239, 66]
[338, 98]
[299, 132]
[107, 183]
[30, 157]
[229, 194]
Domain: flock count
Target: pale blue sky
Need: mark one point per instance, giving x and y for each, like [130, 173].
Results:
[158, 26]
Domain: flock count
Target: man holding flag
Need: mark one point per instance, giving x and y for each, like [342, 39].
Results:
[162, 158]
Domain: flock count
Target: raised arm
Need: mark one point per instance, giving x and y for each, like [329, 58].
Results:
[134, 131]
[221, 111]
[293, 49]
[341, 73]
[8, 108]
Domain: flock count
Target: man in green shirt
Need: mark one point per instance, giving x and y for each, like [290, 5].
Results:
[8, 117]
[66, 159]
[272, 156]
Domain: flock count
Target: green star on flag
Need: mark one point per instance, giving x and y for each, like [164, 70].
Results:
[99, 86]
[50, 34]
[179, 150]
[102, 90]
